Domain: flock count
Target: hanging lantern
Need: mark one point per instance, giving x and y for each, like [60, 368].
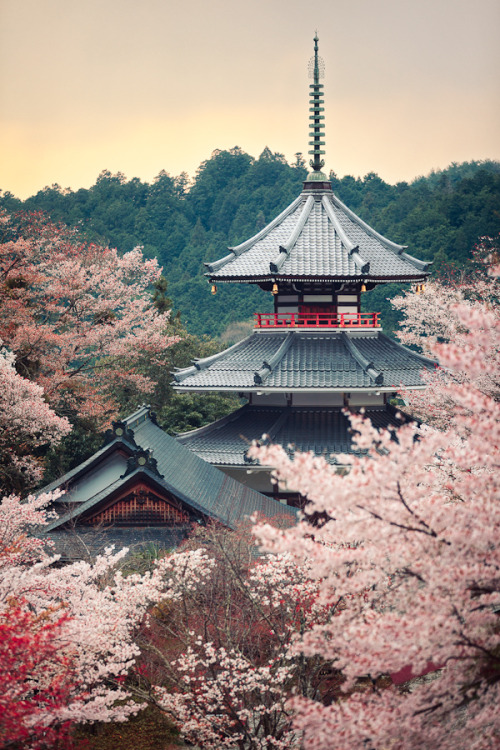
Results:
[363, 287]
[417, 289]
[214, 289]
[274, 290]
[422, 288]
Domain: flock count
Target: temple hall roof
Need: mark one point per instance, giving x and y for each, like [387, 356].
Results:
[316, 238]
[170, 466]
[307, 360]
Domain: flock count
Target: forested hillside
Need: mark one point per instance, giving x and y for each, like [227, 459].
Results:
[233, 195]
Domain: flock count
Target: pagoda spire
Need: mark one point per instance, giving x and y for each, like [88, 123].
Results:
[316, 72]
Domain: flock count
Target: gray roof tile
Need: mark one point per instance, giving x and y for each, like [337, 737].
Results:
[331, 243]
[324, 431]
[185, 475]
[329, 360]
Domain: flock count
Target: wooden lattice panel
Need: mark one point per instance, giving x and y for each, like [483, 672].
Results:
[141, 507]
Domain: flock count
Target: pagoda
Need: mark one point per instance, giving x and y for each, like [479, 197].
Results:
[316, 354]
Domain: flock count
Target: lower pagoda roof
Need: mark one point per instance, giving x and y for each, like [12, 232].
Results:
[277, 361]
[325, 431]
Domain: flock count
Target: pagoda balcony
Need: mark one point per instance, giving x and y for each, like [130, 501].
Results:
[317, 320]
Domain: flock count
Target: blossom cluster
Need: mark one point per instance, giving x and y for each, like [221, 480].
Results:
[410, 544]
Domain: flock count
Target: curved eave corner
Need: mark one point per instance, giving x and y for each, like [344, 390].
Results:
[237, 250]
[400, 250]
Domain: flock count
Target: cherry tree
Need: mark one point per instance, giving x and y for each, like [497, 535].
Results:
[409, 544]
[67, 632]
[37, 680]
[26, 424]
[77, 316]
[433, 317]
[217, 658]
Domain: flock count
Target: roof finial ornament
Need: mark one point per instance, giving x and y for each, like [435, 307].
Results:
[316, 71]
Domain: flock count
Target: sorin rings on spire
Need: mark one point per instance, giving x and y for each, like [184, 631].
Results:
[316, 117]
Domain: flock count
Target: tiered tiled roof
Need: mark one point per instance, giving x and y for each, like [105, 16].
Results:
[323, 430]
[326, 360]
[316, 238]
[175, 469]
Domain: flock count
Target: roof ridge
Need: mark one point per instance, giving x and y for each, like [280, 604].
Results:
[284, 250]
[363, 265]
[269, 365]
[365, 363]
[398, 249]
[420, 265]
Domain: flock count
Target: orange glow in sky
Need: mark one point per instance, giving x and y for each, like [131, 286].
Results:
[410, 85]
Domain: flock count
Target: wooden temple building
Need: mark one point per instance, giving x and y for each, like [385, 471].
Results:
[316, 353]
[144, 488]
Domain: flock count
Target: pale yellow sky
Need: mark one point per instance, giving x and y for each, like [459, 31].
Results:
[137, 87]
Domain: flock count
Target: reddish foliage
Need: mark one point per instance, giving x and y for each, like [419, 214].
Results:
[37, 678]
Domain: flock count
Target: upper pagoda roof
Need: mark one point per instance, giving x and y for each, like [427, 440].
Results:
[316, 238]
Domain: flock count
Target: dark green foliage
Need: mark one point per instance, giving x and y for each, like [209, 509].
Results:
[175, 413]
[440, 217]
[234, 195]
[188, 411]
[179, 413]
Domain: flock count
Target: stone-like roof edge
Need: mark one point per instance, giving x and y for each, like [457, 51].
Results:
[284, 250]
[82, 468]
[141, 413]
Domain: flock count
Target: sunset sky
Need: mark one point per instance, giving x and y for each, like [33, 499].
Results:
[137, 87]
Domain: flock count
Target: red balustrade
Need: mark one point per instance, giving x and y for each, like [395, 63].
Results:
[316, 320]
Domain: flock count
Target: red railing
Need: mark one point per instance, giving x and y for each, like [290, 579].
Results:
[316, 320]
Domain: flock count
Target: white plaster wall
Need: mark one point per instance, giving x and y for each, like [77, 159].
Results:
[269, 399]
[102, 476]
[318, 399]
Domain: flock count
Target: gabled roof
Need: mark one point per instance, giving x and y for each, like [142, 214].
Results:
[172, 467]
[307, 360]
[316, 238]
[322, 430]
